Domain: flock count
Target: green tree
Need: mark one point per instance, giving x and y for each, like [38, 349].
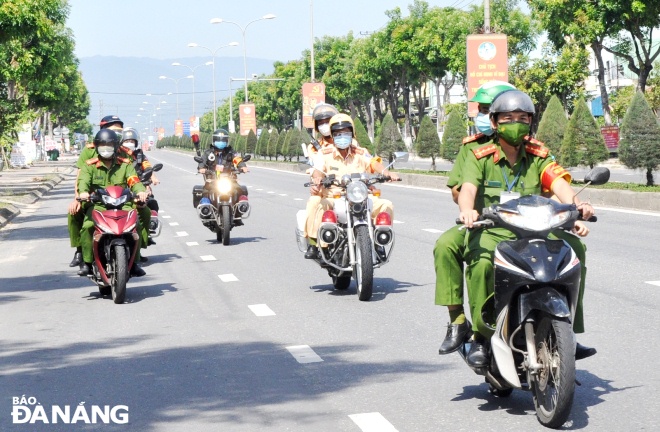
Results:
[389, 140]
[428, 143]
[583, 143]
[361, 135]
[639, 147]
[272, 144]
[452, 138]
[286, 143]
[262, 143]
[250, 142]
[553, 126]
[280, 144]
[620, 101]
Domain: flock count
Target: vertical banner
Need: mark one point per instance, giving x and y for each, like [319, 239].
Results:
[248, 118]
[186, 128]
[194, 125]
[178, 128]
[487, 60]
[161, 133]
[611, 136]
[313, 94]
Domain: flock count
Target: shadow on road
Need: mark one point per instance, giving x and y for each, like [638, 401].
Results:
[382, 288]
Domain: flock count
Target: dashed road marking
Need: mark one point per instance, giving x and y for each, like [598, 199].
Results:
[656, 283]
[304, 354]
[297, 199]
[433, 230]
[270, 192]
[261, 310]
[228, 277]
[282, 194]
[397, 221]
[259, 189]
[161, 211]
[166, 217]
[174, 223]
[181, 234]
[192, 243]
[372, 422]
[208, 258]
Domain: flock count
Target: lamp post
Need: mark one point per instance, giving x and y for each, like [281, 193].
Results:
[192, 69]
[220, 20]
[176, 81]
[195, 45]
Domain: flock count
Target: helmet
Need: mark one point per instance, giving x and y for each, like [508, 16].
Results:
[512, 100]
[220, 139]
[341, 121]
[130, 134]
[487, 92]
[104, 139]
[323, 111]
[109, 120]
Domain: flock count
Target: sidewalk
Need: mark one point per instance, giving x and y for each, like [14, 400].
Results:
[20, 187]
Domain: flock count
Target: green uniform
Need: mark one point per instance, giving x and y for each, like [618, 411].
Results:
[95, 176]
[450, 247]
[144, 212]
[75, 221]
[487, 169]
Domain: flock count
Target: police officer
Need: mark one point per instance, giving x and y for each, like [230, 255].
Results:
[344, 157]
[105, 170]
[76, 213]
[508, 167]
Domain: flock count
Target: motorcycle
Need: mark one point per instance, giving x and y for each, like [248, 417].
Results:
[356, 245]
[155, 225]
[227, 204]
[529, 315]
[116, 240]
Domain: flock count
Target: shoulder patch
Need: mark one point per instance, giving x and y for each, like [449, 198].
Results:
[126, 150]
[123, 160]
[531, 140]
[537, 150]
[91, 161]
[473, 138]
[357, 150]
[483, 151]
[90, 146]
[328, 150]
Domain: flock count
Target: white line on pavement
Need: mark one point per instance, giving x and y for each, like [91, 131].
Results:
[304, 354]
[192, 243]
[261, 310]
[181, 234]
[259, 189]
[208, 258]
[433, 230]
[229, 277]
[372, 422]
[656, 283]
[297, 199]
[628, 211]
[282, 194]
[270, 192]
[398, 221]
[166, 217]
[174, 223]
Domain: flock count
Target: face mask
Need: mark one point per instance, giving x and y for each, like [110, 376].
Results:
[482, 122]
[343, 140]
[220, 145]
[130, 145]
[106, 152]
[513, 132]
[324, 129]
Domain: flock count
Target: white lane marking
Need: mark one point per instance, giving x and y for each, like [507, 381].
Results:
[433, 230]
[166, 217]
[181, 234]
[297, 199]
[372, 422]
[208, 258]
[174, 223]
[628, 211]
[261, 310]
[282, 194]
[229, 277]
[656, 283]
[161, 211]
[304, 354]
[192, 243]
[259, 189]
[398, 221]
[270, 192]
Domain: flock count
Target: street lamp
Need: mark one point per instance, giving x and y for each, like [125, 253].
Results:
[176, 81]
[220, 20]
[192, 69]
[195, 45]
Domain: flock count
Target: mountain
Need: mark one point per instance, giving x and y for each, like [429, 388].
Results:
[118, 85]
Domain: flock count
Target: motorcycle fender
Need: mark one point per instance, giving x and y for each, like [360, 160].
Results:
[502, 352]
[547, 300]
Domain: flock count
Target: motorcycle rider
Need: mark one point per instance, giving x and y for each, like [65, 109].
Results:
[344, 157]
[76, 211]
[224, 158]
[107, 169]
[507, 168]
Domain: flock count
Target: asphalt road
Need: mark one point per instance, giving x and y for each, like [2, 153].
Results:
[251, 336]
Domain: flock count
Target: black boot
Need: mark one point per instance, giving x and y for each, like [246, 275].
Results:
[312, 252]
[144, 259]
[137, 271]
[478, 355]
[85, 269]
[150, 242]
[77, 259]
[456, 334]
[582, 352]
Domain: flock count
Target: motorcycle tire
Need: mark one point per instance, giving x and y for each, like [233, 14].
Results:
[341, 283]
[554, 386]
[364, 264]
[224, 229]
[120, 273]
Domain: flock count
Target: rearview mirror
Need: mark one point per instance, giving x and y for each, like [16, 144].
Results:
[597, 176]
[247, 158]
[198, 159]
[158, 167]
[401, 156]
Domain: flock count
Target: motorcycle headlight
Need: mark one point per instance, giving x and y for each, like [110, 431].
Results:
[115, 202]
[535, 218]
[357, 192]
[224, 185]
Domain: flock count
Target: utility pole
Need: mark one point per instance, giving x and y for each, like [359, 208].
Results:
[486, 16]
[311, 15]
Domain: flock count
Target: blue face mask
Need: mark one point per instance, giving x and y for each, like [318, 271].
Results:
[343, 140]
[482, 122]
[220, 145]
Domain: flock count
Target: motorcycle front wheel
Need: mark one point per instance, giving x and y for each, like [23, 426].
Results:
[120, 273]
[364, 265]
[224, 228]
[554, 386]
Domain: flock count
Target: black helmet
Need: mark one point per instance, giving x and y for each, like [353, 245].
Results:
[105, 138]
[220, 139]
[109, 120]
[323, 111]
[130, 134]
[512, 100]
